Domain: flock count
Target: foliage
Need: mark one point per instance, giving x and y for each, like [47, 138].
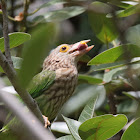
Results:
[100, 127]
[133, 128]
[109, 77]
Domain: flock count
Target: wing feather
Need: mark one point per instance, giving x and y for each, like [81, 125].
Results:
[41, 82]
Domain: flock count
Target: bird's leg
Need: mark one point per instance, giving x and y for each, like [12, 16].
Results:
[46, 120]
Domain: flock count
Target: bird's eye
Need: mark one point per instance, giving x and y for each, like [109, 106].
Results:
[64, 48]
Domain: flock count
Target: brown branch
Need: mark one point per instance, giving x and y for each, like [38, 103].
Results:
[5, 32]
[33, 127]
[13, 14]
[109, 87]
[112, 103]
[25, 14]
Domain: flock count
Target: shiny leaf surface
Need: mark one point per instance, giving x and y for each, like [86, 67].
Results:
[102, 127]
[15, 39]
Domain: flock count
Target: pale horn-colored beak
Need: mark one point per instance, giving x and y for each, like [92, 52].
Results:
[81, 48]
[85, 41]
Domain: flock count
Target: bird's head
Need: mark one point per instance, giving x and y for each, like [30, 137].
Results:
[66, 55]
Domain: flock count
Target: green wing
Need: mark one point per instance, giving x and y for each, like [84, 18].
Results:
[41, 82]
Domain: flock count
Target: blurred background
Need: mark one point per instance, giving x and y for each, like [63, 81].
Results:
[107, 23]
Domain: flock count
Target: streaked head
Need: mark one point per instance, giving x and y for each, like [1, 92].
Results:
[66, 55]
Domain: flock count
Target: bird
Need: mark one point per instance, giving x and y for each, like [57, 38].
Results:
[55, 84]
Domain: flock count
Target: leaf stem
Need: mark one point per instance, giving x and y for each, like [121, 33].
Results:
[9, 17]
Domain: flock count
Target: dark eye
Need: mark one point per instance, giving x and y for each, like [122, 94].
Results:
[63, 48]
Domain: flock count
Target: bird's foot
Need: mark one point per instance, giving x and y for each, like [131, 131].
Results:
[46, 120]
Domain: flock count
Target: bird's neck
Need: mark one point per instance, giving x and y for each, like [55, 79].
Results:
[55, 64]
[67, 72]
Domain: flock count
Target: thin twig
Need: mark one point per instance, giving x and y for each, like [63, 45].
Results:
[12, 13]
[110, 92]
[5, 33]
[31, 123]
[112, 103]
[36, 10]
[25, 14]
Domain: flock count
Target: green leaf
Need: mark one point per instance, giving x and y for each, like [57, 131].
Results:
[89, 79]
[115, 54]
[52, 2]
[88, 111]
[113, 65]
[129, 11]
[84, 94]
[108, 76]
[133, 131]
[35, 51]
[133, 35]
[73, 126]
[103, 27]
[8, 135]
[68, 137]
[102, 127]
[121, 4]
[132, 94]
[15, 39]
[1, 70]
[60, 15]
[127, 106]
[17, 61]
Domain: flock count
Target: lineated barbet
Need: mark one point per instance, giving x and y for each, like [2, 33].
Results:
[56, 83]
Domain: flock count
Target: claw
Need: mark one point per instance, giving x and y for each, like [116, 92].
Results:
[46, 120]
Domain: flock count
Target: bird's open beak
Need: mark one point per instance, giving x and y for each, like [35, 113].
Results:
[80, 48]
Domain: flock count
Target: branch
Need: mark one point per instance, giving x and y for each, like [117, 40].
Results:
[26, 97]
[111, 98]
[5, 33]
[36, 10]
[12, 13]
[31, 123]
[25, 14]
[6, 64]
